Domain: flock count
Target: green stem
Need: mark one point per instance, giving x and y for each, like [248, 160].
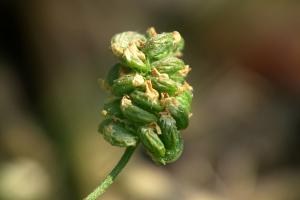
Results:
[112, 175]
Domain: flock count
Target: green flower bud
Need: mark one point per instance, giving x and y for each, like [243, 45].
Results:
[169, 133]
[178, 78]
[112, 109]
[180, 47]
[163, 45]
[152, 100]
[185, 99]
[162, 83]
[113, 74]
[174, 153]
[135, 59]
[142, 100]
[180, 75]
[116, 134]
[121, 41]
[152, 144]
[126, 84]
[151, 32]
[135, 113]
[178, 111]
[168, 65]
[126, 47]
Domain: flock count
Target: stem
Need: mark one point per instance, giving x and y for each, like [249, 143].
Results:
[112, 175]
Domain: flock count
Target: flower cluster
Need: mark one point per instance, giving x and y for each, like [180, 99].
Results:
[151, 99]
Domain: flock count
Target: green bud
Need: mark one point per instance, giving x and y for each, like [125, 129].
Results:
[178, 112]
[169, 133]
[135, 59]
[180, 47]
[121, 41]
[168, 65]
[163, 45]
[177, 77]
[112, 109]
[113, 74]
[135, 113]
[152, 100]
[185, 99]
[126, 84]
[185, 94]
[126, 47]
[174, 153]
[164, 84]
[142, 100]
[152, 143]
[116, 134]
[181, 74]
[151, 32]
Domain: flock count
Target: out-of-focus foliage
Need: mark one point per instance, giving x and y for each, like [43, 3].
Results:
[243, 138]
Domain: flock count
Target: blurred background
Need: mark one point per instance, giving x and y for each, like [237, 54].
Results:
[243, 141]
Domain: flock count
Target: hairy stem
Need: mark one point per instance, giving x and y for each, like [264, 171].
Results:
[112, 175]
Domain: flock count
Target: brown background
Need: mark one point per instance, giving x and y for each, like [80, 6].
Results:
[243, 139]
